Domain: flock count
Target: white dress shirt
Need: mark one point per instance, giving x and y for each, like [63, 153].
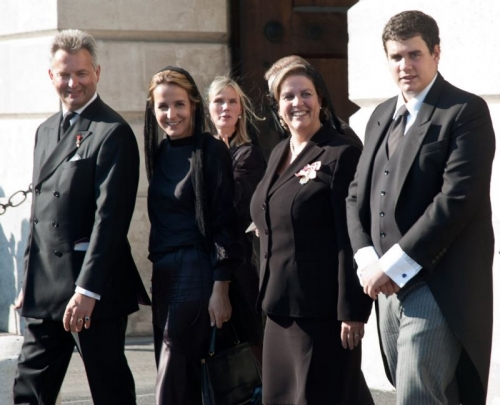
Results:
[395, 263]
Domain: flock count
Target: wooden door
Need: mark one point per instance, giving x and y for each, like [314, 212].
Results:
[265, 30]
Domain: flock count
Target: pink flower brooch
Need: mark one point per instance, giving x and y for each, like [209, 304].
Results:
[308, 172]
[79, 138]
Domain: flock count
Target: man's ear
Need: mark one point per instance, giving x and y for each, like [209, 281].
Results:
[98, 72]
[436, 53]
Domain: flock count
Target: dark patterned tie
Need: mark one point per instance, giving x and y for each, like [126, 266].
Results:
[66, 122]
[397, 130]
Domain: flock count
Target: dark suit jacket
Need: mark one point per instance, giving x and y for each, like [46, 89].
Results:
[306, 257]
[249, 166]
[87, 199]
[441, 200]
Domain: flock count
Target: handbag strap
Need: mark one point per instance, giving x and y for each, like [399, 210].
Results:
[211, 348]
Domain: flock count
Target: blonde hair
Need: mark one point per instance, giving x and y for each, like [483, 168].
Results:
[280, 64]
[247, 113]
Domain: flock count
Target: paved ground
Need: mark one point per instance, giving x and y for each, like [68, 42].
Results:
[75, 389]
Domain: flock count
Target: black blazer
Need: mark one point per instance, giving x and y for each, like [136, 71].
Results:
[306, 258]
[442, 207]
[91, 199]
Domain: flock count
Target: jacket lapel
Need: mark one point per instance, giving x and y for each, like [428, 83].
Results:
[46, 140]
[309, 154]
[68, 144]
[416, 134]
[273, 165]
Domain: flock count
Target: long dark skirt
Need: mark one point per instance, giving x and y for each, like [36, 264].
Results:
[182, 284]
[304, 363]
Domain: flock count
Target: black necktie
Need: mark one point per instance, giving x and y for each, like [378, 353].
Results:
[397, 130]
[65, 124]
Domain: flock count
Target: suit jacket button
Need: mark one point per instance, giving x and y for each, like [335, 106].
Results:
[55, 224]
[382, 213]
[386, 172]
[265, 255]
[37, 191]
[382, 234]
[266, 231]
[35, 221]
[382, 193]
[56, 194]
[58, 254]
[263, 206]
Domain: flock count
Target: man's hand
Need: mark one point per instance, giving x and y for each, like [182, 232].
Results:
[389, 288]
[78, 312]
[219, 306]
[351, 334]
[374, 278]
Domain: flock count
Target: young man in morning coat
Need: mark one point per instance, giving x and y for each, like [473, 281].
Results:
[421, 228]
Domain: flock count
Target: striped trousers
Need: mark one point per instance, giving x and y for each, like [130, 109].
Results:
[421, 350]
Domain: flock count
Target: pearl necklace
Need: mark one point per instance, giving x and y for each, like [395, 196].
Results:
[292, 149]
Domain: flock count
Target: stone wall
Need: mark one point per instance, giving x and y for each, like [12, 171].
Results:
[135, 40]
[470, 59]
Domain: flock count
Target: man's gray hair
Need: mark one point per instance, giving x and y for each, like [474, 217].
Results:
[73, 41]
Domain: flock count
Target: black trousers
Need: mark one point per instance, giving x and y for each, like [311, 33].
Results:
[46, 353]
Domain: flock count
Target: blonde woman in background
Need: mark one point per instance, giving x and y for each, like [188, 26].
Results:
[231, 113]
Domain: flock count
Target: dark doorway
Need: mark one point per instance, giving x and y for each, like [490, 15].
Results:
[262, 31]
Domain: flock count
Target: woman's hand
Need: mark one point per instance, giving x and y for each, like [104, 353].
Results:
[219, 306]
[351, 333]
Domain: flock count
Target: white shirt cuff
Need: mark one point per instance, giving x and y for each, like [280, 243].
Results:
[400, 267]
[90, 294]
[364, 257]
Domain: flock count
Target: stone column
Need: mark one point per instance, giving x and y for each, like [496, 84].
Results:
[135, 40]
[470, 59]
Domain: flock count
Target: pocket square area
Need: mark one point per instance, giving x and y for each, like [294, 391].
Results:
[75, 157]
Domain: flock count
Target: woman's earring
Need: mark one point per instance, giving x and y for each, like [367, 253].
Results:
[239, 117]
[282, 123]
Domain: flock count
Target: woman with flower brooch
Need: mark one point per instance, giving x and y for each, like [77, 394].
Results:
[232, 114]
[192, 241]
[309, 289]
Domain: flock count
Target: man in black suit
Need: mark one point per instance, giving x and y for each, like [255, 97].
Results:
[419, 218]
[80, 280]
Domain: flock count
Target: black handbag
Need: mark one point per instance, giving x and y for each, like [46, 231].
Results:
[231, 376]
